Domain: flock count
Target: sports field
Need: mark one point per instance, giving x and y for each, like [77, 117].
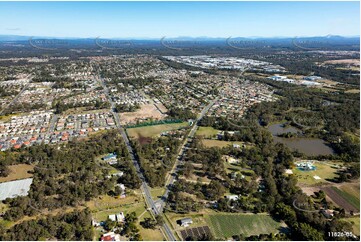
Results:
[226, 225]
[154, 130]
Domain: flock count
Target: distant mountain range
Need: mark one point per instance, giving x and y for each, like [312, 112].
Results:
[330, 38]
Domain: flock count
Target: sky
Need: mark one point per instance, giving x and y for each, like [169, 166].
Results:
[174, 19]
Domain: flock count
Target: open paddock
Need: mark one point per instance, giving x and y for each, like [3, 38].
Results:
[145, 112]
[18, 172]
[225, 225]
[154, 130]
[219, 143]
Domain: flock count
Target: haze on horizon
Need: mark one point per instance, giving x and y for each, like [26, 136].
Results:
[174, 19]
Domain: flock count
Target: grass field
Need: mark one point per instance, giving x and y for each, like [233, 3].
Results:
[18, 172]
[219, 143]
[324, 171]
[154, 130]
[207, 132]
[355, 224]
[226, 225]
[157, 192]
[351, 198]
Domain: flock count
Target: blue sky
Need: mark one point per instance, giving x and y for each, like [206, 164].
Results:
[173, 19]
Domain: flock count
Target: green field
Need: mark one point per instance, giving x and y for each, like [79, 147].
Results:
[207, 132]
[324, 171]
[226, 225]
[353, 200]
[355, 224]
[154, 130]
[157, 192]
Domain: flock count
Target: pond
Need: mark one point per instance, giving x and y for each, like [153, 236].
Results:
[308, 146]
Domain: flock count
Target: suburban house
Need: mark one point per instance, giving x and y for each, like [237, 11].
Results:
[119, 217]
[111, 236]
[232, 197]
[185, 222]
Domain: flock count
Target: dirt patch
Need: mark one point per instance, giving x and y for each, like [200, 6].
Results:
[161, 108]
[144, 140]
[310, 190]
[145, 112]
[18, 172]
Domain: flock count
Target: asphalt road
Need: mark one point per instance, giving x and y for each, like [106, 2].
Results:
[191, 134]
[144, 187]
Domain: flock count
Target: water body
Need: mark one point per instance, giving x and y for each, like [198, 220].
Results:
[308, 146]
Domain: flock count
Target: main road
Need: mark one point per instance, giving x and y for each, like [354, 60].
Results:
[172, 178]
[144, 187]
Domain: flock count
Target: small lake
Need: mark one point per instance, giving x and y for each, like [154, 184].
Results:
[308, 146]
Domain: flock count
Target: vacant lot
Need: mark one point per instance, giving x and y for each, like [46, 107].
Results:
[154, 130]
[145, 111]
[206, 132]
[219, 143]
[18, 172]
[225, 225]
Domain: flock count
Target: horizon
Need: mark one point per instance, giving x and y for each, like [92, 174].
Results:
[154, 20]
[180, 37]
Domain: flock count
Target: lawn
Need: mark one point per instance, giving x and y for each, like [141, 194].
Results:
[355, 224]
[353, 200]
[157, 192]
[154, 130]
[324, 171]
[225, 225]
[207, 132]
[149, 234]
[219, 143]
[17, 172]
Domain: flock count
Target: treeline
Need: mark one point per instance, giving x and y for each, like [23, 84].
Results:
[74, 226]
[181, 113]
[61, 107]
[23, 107]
